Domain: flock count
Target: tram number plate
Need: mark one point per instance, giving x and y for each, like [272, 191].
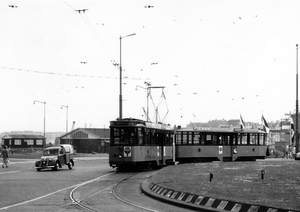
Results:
[220, 150]
[127, 151]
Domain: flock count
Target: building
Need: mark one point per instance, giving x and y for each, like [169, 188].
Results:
[23, 141]
[88, 140]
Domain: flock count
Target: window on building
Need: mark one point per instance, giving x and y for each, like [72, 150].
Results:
[29, 141]
[17, 141]
[39, 142]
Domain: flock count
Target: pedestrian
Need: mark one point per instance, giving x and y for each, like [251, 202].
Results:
[290, 152]
[267, 151]
[294, 152]
[4, 154]
[286, 152]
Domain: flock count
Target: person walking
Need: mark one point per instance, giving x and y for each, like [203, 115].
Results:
[4, 154]
[268, 152]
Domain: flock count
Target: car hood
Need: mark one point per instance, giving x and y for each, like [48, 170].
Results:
[43, 158]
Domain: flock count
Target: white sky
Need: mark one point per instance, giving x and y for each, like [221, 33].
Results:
[217, 59]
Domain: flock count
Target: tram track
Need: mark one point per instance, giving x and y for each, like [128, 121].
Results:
[83, 202]
[127, 202]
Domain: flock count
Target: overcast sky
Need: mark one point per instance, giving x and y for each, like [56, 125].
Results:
[216, 59]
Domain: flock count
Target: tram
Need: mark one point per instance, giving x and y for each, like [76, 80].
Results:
[220, 144]
[136, 143]
[139, 144]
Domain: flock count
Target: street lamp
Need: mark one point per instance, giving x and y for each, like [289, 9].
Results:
[297, 103]
[66, 106]
[44, 143]
[120, 96]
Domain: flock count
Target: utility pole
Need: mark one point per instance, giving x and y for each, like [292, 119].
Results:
[120, 96]
[297, 102]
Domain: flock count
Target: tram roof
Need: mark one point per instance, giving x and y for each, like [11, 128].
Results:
[221, 130]
[141, 123]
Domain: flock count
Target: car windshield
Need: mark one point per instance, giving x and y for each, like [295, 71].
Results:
[50, 152]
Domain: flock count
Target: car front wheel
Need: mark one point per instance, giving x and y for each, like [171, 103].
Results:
[55, 166]
[70, 165]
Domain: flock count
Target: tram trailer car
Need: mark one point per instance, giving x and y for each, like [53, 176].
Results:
[219, 144]
[136, 143]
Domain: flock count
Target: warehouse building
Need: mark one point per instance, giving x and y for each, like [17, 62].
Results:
[88, 140]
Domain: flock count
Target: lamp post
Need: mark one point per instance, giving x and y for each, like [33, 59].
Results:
[66, 106]
[120, 96]
[44, 143]
[297, 103]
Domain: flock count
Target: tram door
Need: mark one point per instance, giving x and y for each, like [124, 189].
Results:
[161, 139]
[233, 144]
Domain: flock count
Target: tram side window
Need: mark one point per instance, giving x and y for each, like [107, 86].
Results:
[140, 136]
[178, 138]
[224, 140]
[262, 140]
[154, 137]
[196, 138]
[202, 138]
[215, 139]
[220, 139]
[185, 137]
[116, 134]
[231, 140]
[189, 138]
[234, 140]
[209, 140]
[243, 138]
[240, 138]
[253, 139]
[147, 137]
[168, 138]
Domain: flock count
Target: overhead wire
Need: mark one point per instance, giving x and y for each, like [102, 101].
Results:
[68, 75]
[95, 34]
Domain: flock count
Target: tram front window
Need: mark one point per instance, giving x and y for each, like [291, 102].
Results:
[125, 136]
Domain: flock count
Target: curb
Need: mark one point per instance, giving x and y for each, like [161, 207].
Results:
[201, 202]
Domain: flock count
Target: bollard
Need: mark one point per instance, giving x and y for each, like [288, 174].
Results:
[262, 174]
[210, 177]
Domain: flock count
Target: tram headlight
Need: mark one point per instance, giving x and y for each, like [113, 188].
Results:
[120, 156]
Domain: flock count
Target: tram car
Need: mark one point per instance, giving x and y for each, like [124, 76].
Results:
[140, 144]
[219, 144]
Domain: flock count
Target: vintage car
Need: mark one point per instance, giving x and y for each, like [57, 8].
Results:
[55, 157]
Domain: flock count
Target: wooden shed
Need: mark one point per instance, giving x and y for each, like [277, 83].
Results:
[23, 141]
[88, 140]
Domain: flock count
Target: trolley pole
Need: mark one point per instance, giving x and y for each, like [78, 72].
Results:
[297, 102]
[174, 145]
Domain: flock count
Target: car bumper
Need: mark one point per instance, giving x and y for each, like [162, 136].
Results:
[45, 164]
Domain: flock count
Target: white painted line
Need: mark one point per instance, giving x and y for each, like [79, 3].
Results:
[10, 172]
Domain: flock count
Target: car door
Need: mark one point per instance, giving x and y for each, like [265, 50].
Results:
[61, 156]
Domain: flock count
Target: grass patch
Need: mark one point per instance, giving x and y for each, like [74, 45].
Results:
[238, 181]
